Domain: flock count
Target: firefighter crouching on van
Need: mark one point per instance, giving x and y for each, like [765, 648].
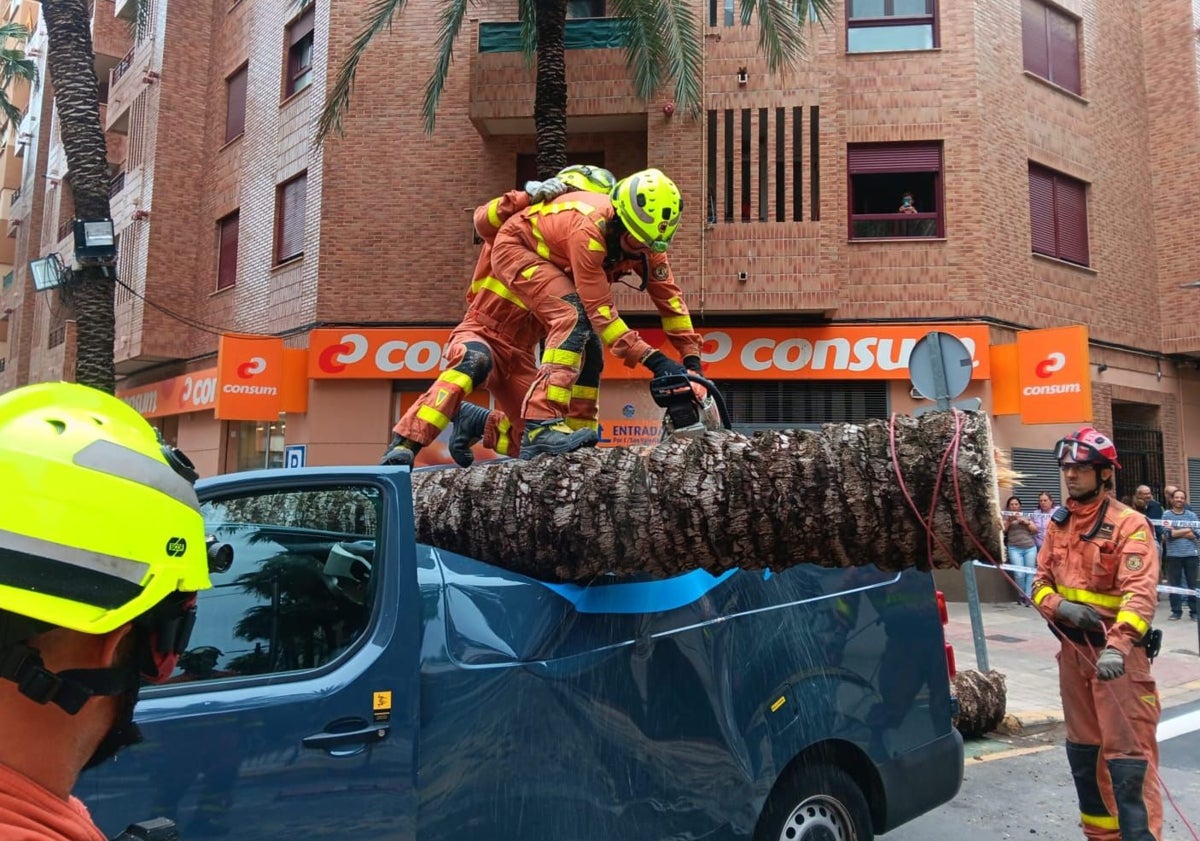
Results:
[496, 343]
[102, 551]
[559, 257]
[1097, 573]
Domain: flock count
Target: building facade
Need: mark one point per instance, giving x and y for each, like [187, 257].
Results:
[985, 168]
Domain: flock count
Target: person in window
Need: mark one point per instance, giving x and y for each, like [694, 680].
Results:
[907, 204]
[90, 603]
[1019, 534]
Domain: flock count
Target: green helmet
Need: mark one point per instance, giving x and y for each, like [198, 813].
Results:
[592, 179]
[648, 204]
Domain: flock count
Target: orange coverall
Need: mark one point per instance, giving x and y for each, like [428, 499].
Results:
[29, 812]
[553, 255]
[1106, 556]
[501, 322]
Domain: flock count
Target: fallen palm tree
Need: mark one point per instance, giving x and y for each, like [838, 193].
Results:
[910, 492]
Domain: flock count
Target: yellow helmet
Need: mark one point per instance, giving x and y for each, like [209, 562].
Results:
[593, 179]
[98, 522]
[648, 205]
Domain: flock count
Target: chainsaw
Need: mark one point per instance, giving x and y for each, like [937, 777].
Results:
[686, 416]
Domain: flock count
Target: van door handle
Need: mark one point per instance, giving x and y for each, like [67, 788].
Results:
[331, 741]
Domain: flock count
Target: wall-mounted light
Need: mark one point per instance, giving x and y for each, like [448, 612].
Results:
[95, 242]
[1102, 367]
[743, 76]
[47, 273]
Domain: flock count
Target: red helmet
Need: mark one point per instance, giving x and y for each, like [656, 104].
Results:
[1087, 446]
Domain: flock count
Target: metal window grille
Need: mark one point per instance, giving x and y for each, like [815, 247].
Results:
[1040, 472]
[803, 404]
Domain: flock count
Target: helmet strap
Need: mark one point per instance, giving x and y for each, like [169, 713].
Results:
[69, 689]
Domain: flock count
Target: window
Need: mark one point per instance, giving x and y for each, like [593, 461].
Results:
[805, 404]
[300, 53]
[289, 218]
[235, 104]
[254, 445]
[1058, 215]
[1050, 43]
[878, 25]
[298, 592]
[227, 250]
[895, 190]
[585, 9]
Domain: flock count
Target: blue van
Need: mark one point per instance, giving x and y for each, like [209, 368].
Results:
[345, 682]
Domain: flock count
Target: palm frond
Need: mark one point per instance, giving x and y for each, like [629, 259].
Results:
[14, 65]
[819, 11]
[780, 32]
[527, 14]
[452, 16]
[15, 31]
[10, 115]
[644, 47]
[684, 53]
[378, 18]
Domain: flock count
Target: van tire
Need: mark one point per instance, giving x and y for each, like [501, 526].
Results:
[816, 803]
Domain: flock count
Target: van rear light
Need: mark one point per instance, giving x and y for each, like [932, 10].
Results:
[942, 611]
[944, 615]
[950, 666]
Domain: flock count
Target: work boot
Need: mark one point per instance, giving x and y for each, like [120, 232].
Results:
[555, 437]
[400, 452]
[469, 424]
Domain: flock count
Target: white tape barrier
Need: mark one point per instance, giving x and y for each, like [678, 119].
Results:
[1178, 524]
[1162, 588]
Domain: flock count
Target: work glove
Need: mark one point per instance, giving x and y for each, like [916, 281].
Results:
[692, 363]
[662, 365]
[1110, 664]
[546, 190]
[1081, 616]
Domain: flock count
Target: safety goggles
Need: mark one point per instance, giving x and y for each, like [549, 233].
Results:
[1078, 452]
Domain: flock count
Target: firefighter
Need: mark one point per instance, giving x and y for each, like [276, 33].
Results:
[101, 553]
[561, 257]
[496, 343]
[1096, 580]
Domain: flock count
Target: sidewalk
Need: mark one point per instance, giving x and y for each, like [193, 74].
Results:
[1022, 648]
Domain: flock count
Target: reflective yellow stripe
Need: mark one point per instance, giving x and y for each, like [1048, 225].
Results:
[677, 323]
[560, 356]
[457, 378]
[540, 247]
[494, 213]
[1088, 597]
[585, 392]
[580, 423]
[675, 304]
[1040, 594]
[558, 207]
[503, 445]
[594, 245]
[558, 394]
[497, 287]
[605, 311]
[504, 426]
[1131, 618]
[529, 272]
[614, 331]
[433, 416]
[1101, 821]
[504, 436]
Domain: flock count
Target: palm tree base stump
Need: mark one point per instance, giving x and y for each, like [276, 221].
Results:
[911, 492]
[982, 697]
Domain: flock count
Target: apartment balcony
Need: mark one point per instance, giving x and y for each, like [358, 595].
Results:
[126, 80]
[11, 165]
[601, 97]
[110, 35]
[125, 9]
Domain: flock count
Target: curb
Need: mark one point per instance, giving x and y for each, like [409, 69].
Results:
[1027, 721]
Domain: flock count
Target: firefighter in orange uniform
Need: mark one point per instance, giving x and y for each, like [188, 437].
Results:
[495, 343]
[1097, 574]
[561, 257]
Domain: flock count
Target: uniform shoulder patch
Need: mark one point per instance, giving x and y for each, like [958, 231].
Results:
[661, 272]
[1133, 562]
[1140, 534]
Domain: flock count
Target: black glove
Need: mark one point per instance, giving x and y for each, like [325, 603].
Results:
[692, 363]
[1081, 616]
[662, 365]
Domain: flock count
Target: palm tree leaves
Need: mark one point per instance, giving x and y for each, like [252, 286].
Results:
[451, 21]
[781, 28]
[14, 65]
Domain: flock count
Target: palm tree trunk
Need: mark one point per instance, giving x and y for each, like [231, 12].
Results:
[778, 499]
[71, 61]
[550, 100]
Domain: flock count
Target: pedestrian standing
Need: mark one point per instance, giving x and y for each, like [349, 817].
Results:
[1183, 552]
[1096, 582]
[1019, 534]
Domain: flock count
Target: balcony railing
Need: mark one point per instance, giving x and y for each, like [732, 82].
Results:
[16, 194]
[66, 228]
[122, 67]
[3, 364]
[580, 34]
[117, 184]
[57, 336]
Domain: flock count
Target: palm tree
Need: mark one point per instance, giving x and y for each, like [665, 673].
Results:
[13, 66]
[663, 47]
[71, 62]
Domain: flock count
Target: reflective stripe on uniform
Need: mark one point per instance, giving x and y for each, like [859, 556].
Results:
[1099, 821]
[585, 392]
[459, 379]
[551, 207]
[529, 272]
[614, 331]
[580, 423]
[595, 245]
[497, 287]
[677, 323]
[558, 394]
[540, 246]
[494, 213]
[1039, 595]
[561, 356]
[1088, 597]
[1131, 618]
[675, 303]
[433, 416]
[504, 436]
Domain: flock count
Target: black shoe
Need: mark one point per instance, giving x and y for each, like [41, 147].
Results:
[1175, 617]
[469, 424]
[554, 437]
[400, 453]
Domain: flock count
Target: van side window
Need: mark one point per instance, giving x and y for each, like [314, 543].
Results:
[298, 592]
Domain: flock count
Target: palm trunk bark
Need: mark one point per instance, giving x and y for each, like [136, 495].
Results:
[71, 62]
[550, 99]
[829, 498]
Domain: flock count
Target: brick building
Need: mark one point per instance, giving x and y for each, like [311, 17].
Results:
[1051, 153]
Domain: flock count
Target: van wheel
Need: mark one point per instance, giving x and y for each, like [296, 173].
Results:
[817, 803]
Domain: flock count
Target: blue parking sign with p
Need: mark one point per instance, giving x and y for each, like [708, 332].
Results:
[295, 455]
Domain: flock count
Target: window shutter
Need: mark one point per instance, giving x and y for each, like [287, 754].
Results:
[1041, 211]
[793, 404]
[235, 104]
[1070, 201]
[1035, 38]
[1064, 50]
[1040, 472]
[228, 251]
[1193, 488]
[291, 218]
[302, 26]
[893, 157]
